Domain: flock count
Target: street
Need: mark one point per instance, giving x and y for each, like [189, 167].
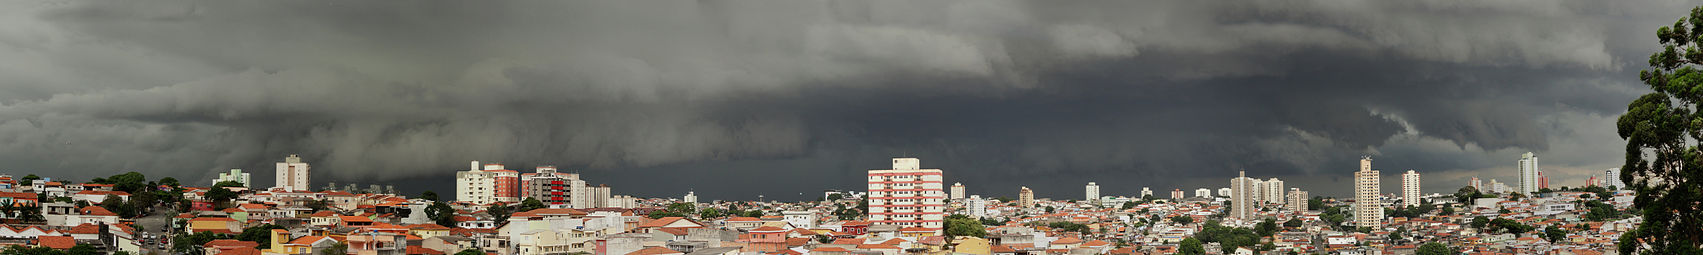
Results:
[157, 225]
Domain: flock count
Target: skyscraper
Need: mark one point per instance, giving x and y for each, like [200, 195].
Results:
[1092, 191]
[1528, 174]
[292, 174]
[957, 191]
[1025, 197]
[1611, 177]
[1410, 188]
[1258, 191]
[1297, 200]
[1274, 191]
[907, 195]
[1242, 197]
[1368, 209]
[491, 184]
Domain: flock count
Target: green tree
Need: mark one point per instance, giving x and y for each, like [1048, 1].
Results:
[82, 249]
[1316, 203]
[1190, 246]
[260, 234]
[1293, 223]
[127, 182]
[531, 204]
[1479, 222]
[1182, 219]
[710, 213]
[117, 205]
[430, 196]
[500, 211]
[441, 214]
[341, 248]
[1554, 234]
[1127, 205]
[1663, 133]
[1432, 249]
[221, 197]
[1050, 209]
[470, 252]
[1266, 227]
[168, 181]
[28, 179]
[960, 225]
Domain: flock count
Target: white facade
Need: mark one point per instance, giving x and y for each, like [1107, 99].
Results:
[1224, 192]
[1203, 192]
[1146, 192]
[475, 185]
[235, 175]
[957, 191]
[1368, 209]
[292, 174]
[1528, 174]
[976, 206]
[1410, 188]
[1258, 193]
[1612, 178]
[907, 196]
[800, 219]
[1274, 191]
[691, 198]
[1242, 196]
[1476, 184]
[1091, 192]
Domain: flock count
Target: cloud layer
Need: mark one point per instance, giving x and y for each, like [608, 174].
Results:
[657, 97]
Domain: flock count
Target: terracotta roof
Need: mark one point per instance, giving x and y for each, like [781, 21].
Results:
[768, 229]
[97, 211]
[743, 219]
[795, 242]
[230, 243]
[324, 214]
[1068, 240]
[877, 246]
[664, 221]
[354, 219]
[654, 251]
[240, 251]
[427, 227]
[423, 250]
[830, 249]
[853, 241]
[674, 231]
[86, 228]
[1095, 243]
[212, 219]
[57, 242]
[308, 240]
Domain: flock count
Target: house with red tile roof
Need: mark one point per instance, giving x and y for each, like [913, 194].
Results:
[56, 242]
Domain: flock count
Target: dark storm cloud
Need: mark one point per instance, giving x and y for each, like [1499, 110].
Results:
[655, 96]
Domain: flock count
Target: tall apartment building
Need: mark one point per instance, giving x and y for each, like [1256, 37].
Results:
[1092, 192]
[602, 196]
[1176, 194]
[691, 198]
[907, 196]
[1476, 184]
[235, 175]
[486, 185]
[1368, 209]
[1203, 192]
[1297, 200]
[550, 186]
[1274, 191]
[1243, 197]
[1258, 191]
[976, 206]
[1410, 188]
[1542, 181]
[1528, 174]
[292, 174]
[957, 191]
[1224, 192]
[1025, 197]
[1612, 178]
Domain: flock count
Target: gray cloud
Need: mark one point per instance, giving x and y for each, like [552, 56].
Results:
[661, 95]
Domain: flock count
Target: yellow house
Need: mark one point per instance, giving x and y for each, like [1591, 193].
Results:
[428, 230]
[215, 225]
[916, 232]
[973, 245]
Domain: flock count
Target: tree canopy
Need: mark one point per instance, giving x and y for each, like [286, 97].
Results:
[1663, 164]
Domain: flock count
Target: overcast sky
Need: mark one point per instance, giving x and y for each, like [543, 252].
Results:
[734, 99]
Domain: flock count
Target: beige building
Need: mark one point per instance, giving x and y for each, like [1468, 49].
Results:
[1368, 207]
[1410, 188]
[292, 174]
[1242, 197]
[957, 191]
[1297, 200]
[1025, 197]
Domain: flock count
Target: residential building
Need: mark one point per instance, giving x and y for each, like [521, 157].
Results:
[1410, 188]
[292, 174]
[976, 206]
[1203, 192]
[1146, 192]
[1273, 191]
[549, 186]
[1297, 200]
[1612, 178]
[907, 195]
[1368, 209]
[1092, 192]
[1242, 199]
[1025, 197]
[1528, 174]
[235, 175]
[1224, 192]
[1542, 181]
[491, 184]
[691, 198]
[957, 191]
[1258, 192]
[1476, 183]
[1176, 194]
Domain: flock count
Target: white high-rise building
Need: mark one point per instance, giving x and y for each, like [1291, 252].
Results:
[1612, 178]
[976, 206]
[907, 196]
[1224, 192]
[1242, 197]
[691, 197]
[1368, 207]
[1410, 188]
[957, 191]
[1146, 192]
[236, 175]
[1092, 192]
[1528, 174]
[292, 174]
[1203, 192]
[1259, 191]
[475, 185]
[1274, 191]
[1476, 184]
